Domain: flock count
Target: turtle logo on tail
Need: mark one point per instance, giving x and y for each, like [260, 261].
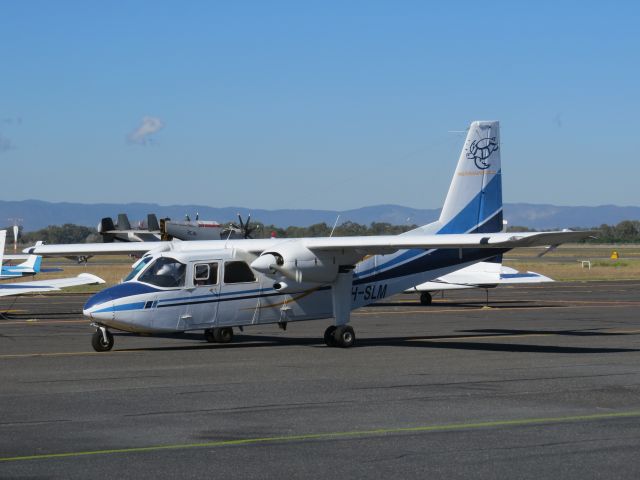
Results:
[481, 150]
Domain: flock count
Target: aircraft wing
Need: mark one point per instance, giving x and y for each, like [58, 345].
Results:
[7, 289]
[16, 257]
[390, 243]
[363, 245]
[87, 249]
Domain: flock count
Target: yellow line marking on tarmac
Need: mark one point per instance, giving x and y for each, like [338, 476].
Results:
[53, 354]
[334, 435]
[486, 337]
[33, 321]
[473, 309]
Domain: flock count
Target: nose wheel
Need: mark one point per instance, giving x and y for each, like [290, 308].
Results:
[102, 340]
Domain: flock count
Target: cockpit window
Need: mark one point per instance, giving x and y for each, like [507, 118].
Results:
[142, 263]
[165, 272]
[238, 272]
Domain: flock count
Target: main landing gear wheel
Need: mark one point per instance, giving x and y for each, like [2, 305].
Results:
[219, 334]
[102, 340]
[342, 336]
[425, 298]
[329, 339]
[208, 335]
[223, 334]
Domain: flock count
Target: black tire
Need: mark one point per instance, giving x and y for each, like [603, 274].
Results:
[425, 298]
[223, 334]
[208, 335]
[98, 343]
[329, 339]
[344, 336]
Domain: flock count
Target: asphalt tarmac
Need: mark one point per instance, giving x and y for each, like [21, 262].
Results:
[543, 384]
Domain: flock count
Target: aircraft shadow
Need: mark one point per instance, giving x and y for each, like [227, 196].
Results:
[575, 333]
[430, 342]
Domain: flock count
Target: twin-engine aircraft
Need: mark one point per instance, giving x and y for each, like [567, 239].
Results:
[214, 286]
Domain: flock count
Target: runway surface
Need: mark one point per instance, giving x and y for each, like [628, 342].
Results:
[544, 384]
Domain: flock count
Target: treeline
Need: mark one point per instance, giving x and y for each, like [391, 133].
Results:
[346, 229]
[627, 231]
[67, 233]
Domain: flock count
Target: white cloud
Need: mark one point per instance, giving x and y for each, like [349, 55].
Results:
[142, 134]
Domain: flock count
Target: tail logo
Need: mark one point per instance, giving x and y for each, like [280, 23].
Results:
[481, 150]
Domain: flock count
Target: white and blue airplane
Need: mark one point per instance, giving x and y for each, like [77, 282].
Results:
[214, 286]
[486, 275]
[32, 267]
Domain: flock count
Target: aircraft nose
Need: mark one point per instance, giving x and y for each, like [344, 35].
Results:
[100, 301]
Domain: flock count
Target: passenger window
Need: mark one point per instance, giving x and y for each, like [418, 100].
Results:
[205, 274]
[238, 272]
[165, 272]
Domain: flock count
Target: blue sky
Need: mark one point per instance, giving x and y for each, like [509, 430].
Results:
[315, 105]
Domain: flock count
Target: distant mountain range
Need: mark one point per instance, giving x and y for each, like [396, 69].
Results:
[36, 214]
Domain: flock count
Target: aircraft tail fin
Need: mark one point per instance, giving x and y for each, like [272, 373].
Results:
[32, 264]
[474, 200]
[123, 222]
[152, 222]
[106, 225]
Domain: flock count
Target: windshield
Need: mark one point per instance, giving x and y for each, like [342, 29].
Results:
[165, 272]
[137, 268]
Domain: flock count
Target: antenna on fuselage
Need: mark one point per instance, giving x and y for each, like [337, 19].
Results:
[334, 226]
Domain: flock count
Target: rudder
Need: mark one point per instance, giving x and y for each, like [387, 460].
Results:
[474, 200]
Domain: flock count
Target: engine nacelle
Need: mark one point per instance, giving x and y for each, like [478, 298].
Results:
[297, 262]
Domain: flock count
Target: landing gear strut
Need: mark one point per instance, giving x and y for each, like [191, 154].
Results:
[219, 334]
[342, 336]
[102, 340]
[425, 298]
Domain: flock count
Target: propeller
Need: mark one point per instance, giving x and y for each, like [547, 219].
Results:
[244, 229]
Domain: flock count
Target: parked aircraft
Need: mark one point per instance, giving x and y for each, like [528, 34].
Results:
[166, 229]
[214, 286]
[121, 231]
[190, 230]
[489, 274]
[32, 267]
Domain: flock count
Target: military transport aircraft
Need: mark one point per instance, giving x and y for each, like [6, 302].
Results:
[121, 231]
[213, 286]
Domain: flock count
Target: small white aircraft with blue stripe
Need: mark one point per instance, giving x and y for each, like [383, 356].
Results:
[31, 267]
[488, 274]
[216, 286]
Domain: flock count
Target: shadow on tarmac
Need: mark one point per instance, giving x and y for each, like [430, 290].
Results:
[449, 341]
